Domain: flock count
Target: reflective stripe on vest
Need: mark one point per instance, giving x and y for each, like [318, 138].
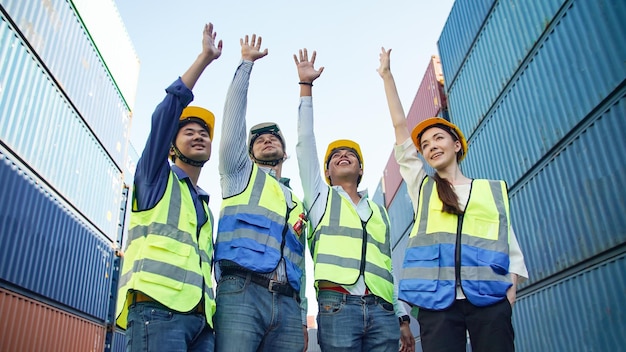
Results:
[163, 258]
[255, 229]
[337, 244]
[428, 276]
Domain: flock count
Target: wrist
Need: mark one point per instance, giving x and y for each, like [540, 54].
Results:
[405, 319]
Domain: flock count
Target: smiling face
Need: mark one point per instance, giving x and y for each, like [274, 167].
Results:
[194, 142]
[439, 147]
[344, 163]
[267, 146]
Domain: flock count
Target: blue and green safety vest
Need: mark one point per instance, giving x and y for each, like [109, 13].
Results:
[255, 228]
[471, 250]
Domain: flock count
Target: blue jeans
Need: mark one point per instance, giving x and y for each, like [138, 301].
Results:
[356, 323]
[251, 318]
[154, 327]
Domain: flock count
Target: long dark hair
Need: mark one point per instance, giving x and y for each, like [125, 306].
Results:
[447, 196]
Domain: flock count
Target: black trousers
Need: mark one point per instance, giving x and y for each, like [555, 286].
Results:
[490, 328]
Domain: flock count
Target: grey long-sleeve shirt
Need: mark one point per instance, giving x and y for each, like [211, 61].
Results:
[235, 165]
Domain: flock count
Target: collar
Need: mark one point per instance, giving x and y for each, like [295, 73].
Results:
[182, 175]
[268, 170]
[340, 189]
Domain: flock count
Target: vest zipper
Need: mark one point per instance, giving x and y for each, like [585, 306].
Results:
[457, 254]
[284, 236]
[363, 250]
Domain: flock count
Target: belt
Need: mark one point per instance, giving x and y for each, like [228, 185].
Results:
[354, 299]
[139, 297]
[271, 285]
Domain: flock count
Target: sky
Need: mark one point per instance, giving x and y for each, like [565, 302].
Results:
[348, 99]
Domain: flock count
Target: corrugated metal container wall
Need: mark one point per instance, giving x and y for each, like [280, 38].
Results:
[509, 34]
[119, 342]
[41, 126]
[379, 196]
[400, 214]
[28, 325]
[584, 312]
[132, 157]
[585, 65]
[392, 178]
[47, 248]
[429, 101]
[572, 207]
[464, 21]
[108, 32]
[59, 38]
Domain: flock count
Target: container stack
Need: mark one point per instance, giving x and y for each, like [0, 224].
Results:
[64, 122]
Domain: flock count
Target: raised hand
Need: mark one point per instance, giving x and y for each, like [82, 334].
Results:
[306, 69]
[385, 58]
[251, 49]
[208, 43]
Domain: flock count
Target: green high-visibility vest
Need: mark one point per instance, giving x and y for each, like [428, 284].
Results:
[164, 257]
[343, 247]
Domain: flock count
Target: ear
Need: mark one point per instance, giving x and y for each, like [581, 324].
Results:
[457, 146]
[327, 173]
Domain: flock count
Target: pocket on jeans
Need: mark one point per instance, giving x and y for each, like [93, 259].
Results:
[386, 306]
[329, 306]
[156, 314]
[230, 284]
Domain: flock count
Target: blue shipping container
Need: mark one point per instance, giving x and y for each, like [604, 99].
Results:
[56, 33]
[583, 312]
[47, 248]
[572, 207]
[400, 214]
[465, 20]
[42, 127]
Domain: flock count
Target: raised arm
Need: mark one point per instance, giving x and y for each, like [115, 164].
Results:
[235, 164]
[209, 53]
[398, 119]
[153, 166]
[306, 149]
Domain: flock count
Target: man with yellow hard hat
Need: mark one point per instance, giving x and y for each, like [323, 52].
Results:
[349, 242]
[165, 300]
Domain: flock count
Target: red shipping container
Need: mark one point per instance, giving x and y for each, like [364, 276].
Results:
[430, 98]
[29, 325]
[429, 101]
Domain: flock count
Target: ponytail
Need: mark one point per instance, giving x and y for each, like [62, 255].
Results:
[447, 196]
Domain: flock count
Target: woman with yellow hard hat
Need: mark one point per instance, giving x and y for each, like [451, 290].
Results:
[462, 262]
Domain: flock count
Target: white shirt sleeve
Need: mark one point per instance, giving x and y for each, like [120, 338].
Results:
[516, 264]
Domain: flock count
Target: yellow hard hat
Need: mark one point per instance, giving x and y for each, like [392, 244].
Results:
[416, 134]
[340, 144]
[199, 115]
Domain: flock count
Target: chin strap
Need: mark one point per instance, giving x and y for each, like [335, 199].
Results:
[268, 162]
[187, 160]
